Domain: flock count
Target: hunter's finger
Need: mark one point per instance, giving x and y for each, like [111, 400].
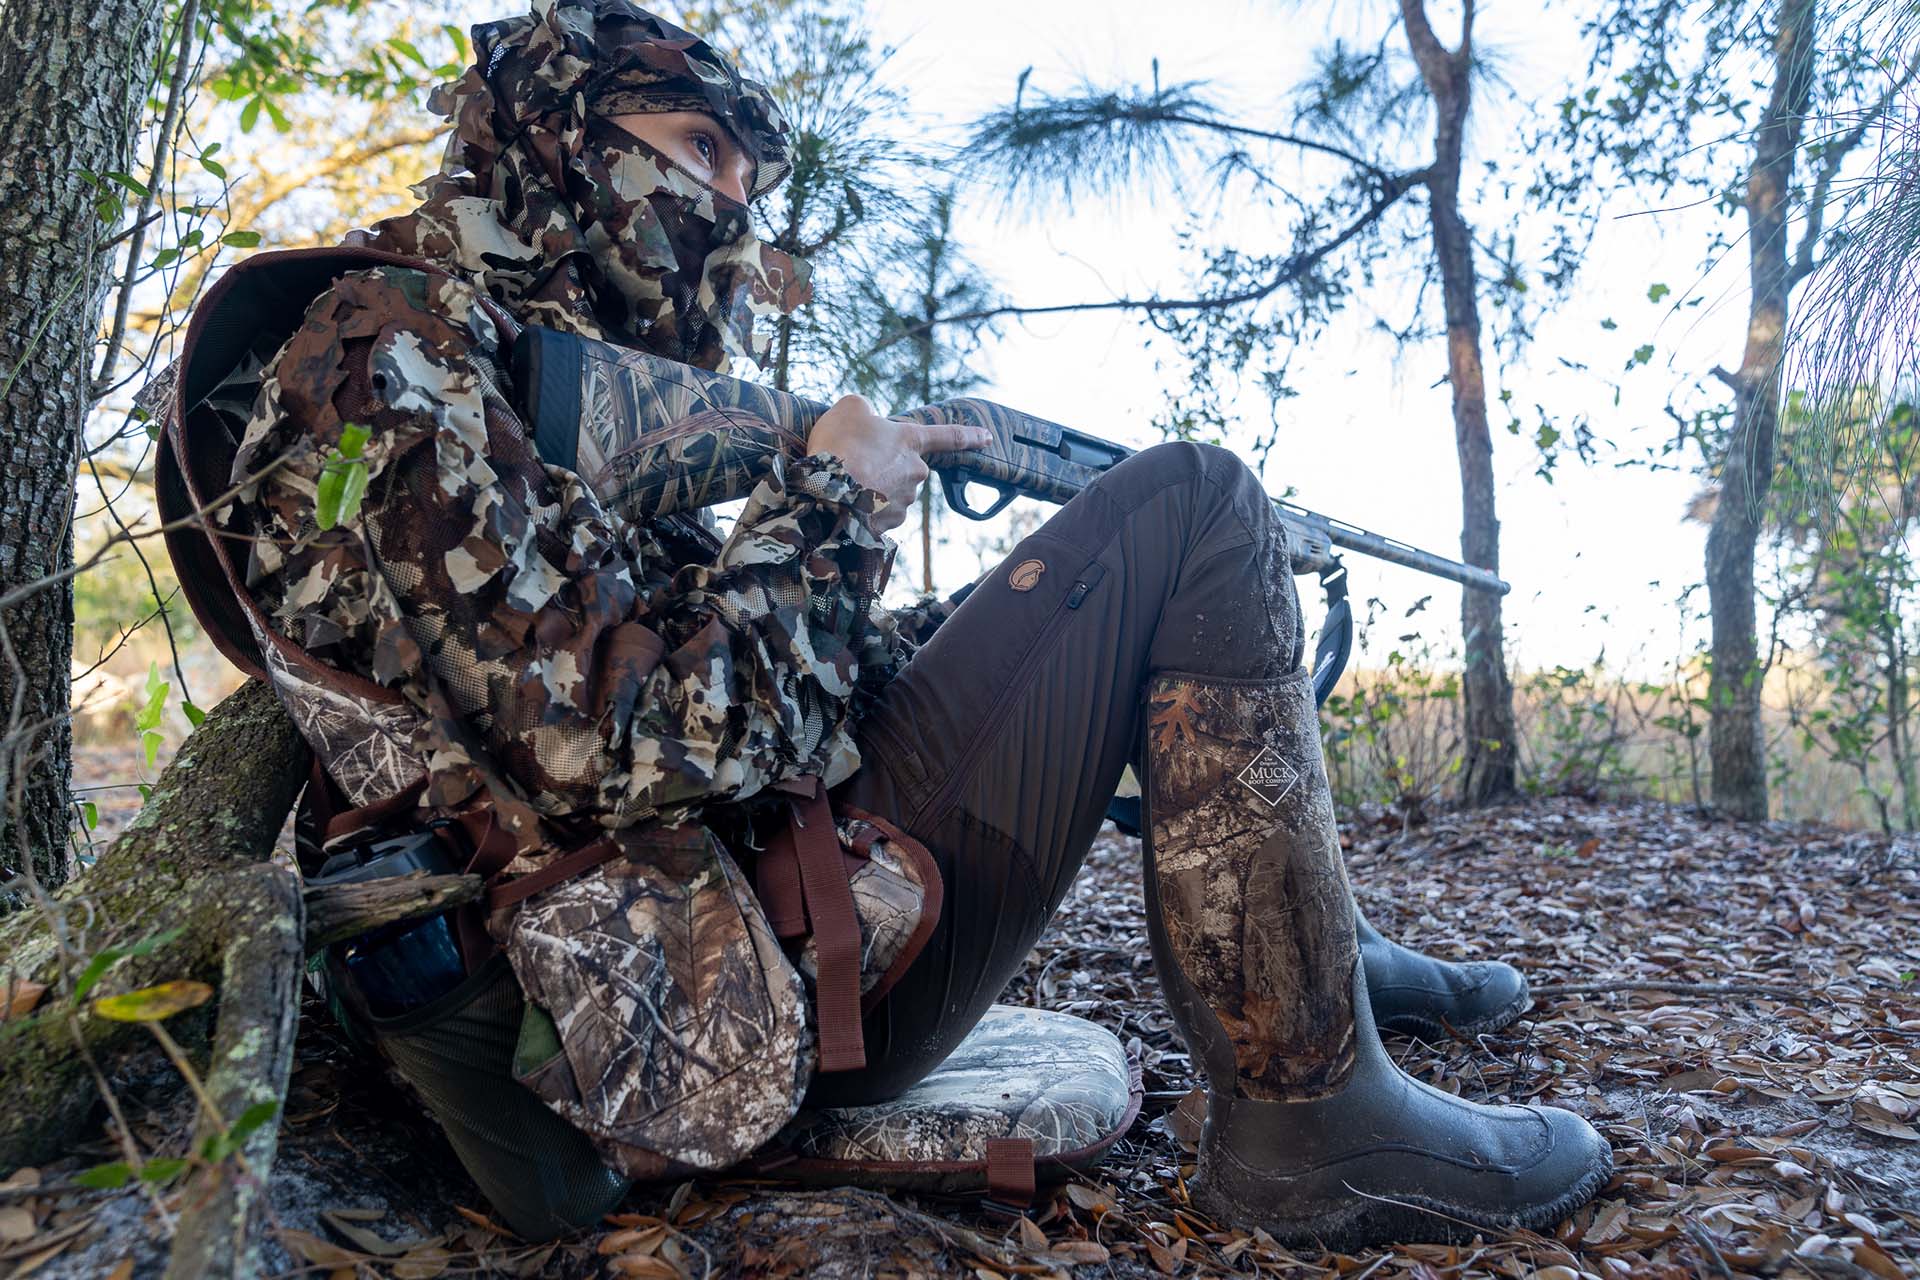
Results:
[946, 437]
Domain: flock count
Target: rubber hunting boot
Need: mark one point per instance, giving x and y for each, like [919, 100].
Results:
[1311, 1132]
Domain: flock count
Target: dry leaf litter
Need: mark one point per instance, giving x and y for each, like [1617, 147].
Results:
[1734, 1005]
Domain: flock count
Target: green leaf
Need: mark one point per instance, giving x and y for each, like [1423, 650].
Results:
[105, 1177]
[342, 485]
[195, 716]
[241, 239]
[1608, 324]
[250, 1121]
[109, 956]
[145, 790]
[407, 47]
[459, 39]
[155, 1003]
[150, 743]
[280, 122]
[153, 430]
[165, 257]
[89, 814]
[128, 181]
[1643, 353]
[250, 114]
[353, 439]
[148, 717]
[164, 1170]
[1655, 292]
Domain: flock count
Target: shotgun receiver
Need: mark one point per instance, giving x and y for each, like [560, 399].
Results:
[653, 436]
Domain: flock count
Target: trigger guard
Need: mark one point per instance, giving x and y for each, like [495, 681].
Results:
[954, 485]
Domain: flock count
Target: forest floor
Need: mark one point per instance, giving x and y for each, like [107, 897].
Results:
[1734, 1005]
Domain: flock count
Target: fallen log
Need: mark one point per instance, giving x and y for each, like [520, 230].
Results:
[184, 893]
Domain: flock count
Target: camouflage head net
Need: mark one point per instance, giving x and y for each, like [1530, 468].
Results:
[573, 223]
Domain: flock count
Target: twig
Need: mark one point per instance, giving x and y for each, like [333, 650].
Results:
[1704, 1243]
[162, 146]
[1821, 1265]
[1674, 988]
[122, 1131]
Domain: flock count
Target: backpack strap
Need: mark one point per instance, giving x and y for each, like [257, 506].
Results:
[1011, 1176]
[811, 843]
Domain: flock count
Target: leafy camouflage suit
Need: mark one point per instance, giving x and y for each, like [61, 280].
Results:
[557, 675]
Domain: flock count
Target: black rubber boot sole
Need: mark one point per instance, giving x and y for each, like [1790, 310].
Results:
[1432, 1029]
[1369, 1221]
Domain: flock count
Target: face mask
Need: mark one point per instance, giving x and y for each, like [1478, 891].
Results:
[675, 267]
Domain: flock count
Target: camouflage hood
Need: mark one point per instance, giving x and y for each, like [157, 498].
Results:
[573, 223]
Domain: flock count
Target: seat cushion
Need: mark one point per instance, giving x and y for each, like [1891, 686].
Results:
[1058, 1081]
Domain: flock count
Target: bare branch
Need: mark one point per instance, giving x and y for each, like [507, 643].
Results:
[1294, 266]
[162, 149]
[1270, 135]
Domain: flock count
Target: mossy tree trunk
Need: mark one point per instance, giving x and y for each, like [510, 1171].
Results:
[190, 868]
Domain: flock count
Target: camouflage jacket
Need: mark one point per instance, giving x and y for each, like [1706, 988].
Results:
[484, 632]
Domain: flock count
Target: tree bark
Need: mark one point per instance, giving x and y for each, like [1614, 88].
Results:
[1735, 733]
[190, 862]
[1488, 769]
[72, 81]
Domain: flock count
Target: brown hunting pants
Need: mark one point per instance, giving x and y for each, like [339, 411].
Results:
[1001, 742]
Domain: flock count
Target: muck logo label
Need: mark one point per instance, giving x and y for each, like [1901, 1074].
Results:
[1269, 776]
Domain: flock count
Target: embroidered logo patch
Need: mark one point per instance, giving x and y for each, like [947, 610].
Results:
[1026, 575]
[1269, 776]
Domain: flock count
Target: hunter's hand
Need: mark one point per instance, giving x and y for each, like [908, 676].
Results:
[885, 453]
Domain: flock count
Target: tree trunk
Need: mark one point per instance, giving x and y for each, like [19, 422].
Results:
[73, 80]
[1487, 772]
[1736, 736]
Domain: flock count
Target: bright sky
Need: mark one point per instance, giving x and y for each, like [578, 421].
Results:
[1596, 558]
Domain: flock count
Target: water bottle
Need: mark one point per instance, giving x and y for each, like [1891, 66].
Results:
[406, 964]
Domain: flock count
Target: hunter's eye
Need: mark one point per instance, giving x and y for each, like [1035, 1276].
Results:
[706, 148]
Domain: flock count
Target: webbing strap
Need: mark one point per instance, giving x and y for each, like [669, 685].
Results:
[815, 846]
[776, 882]
[1011, 1179]
[565, 867]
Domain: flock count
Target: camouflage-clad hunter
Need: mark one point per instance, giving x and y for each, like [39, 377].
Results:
[561, 668]
[750, 842]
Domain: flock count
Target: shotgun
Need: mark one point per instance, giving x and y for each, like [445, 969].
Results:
[654, 436]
